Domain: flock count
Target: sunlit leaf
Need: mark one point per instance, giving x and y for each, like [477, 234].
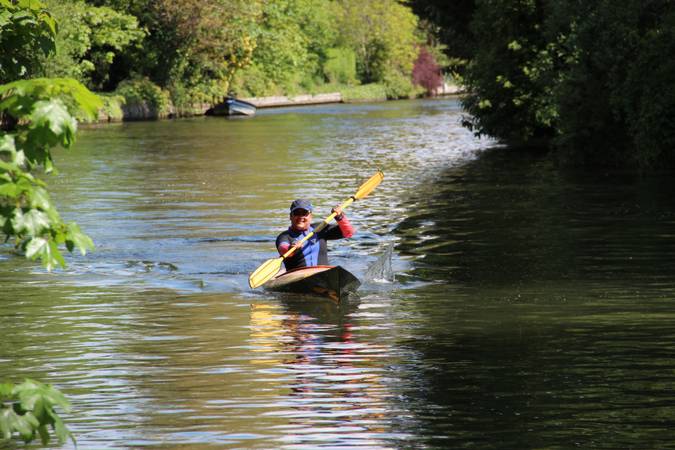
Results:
[8, 190]
[36, 248]
[5, 423]
[53, 116]
[40, 199]
[7, 144]
[32, 223]
[75, 237]
[5, 391]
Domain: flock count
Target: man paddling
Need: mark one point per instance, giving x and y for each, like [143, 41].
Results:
[312, 252]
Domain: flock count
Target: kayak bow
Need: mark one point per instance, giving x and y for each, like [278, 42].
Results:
[330, 281]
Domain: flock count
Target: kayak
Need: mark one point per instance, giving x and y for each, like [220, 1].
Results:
[330, 281]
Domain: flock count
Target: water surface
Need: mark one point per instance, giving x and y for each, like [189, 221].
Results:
[527, 306]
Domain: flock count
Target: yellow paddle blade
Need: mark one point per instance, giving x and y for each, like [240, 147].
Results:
[367, 187]
[265, 272]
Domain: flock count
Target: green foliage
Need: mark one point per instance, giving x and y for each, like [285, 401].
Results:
[366, 92]
[449, 22]
[112, 107]
[616, 68]
[588, 78]
[199, 50]
[89, 40]
[399, 86]
[382, 34]
[26, 32]
[144, 98]
[505, 101]
[27, 411]
[340, 66]
[290, 48]
[200, 44]
[43, 113]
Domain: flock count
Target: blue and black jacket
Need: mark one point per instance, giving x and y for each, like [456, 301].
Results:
[314, 251]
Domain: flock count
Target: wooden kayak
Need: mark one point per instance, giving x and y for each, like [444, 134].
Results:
[330, 281]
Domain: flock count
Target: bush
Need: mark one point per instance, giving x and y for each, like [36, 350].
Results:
[397, 86]
[426, 72]
[367, 92]
[340, 66]
[144, 100]
[252, 82]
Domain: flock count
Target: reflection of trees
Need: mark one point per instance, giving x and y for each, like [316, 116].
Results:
[507, 218]
[336, 389]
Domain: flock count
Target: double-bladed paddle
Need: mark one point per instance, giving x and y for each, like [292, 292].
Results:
[271, 267]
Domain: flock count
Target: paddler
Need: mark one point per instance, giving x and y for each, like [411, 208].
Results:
[313, 252]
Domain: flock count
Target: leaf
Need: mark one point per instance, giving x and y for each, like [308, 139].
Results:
[8, 190]
[40, 199]
[44, 434]
[76, 238]
[54, 397]
[54, 257]
[36, 248]
[32, 223]
[62, 432]
[5, 391]
[7, 144]
[52, 123]
[23, 426]
[5, 423]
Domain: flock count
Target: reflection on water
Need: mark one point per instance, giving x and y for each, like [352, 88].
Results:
[510, 304]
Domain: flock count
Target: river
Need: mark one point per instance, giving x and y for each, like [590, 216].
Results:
[519, 305]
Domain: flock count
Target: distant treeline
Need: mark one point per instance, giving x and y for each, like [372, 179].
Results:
[592, 80]
[196, 51]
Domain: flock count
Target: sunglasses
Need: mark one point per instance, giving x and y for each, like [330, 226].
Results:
[301, 212]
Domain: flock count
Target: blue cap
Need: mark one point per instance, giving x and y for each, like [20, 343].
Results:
[301, 204]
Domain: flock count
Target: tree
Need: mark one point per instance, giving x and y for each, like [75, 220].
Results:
[291, 46]
[26, 32]
[505, 100]
[589, 80]
[36, 116]
[452, 19]
[426, 72]
[206, 41]
[382, 34]
[88, 42]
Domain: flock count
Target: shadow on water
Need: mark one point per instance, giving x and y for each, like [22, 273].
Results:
[548, 318]
[512, 218]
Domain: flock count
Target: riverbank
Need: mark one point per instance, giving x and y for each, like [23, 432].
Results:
[120, 108]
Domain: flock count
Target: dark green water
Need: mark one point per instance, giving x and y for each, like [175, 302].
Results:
[530, 307]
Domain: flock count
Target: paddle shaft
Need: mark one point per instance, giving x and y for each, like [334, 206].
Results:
[320, 227]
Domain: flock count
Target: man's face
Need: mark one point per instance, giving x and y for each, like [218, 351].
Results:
[301, 219]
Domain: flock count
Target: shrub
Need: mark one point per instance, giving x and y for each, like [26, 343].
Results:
[367, 92]
[340, 66]
[398, 86]
[144, 99]
[426, 72]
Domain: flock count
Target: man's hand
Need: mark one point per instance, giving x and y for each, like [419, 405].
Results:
[338, 213]
[297, 245]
